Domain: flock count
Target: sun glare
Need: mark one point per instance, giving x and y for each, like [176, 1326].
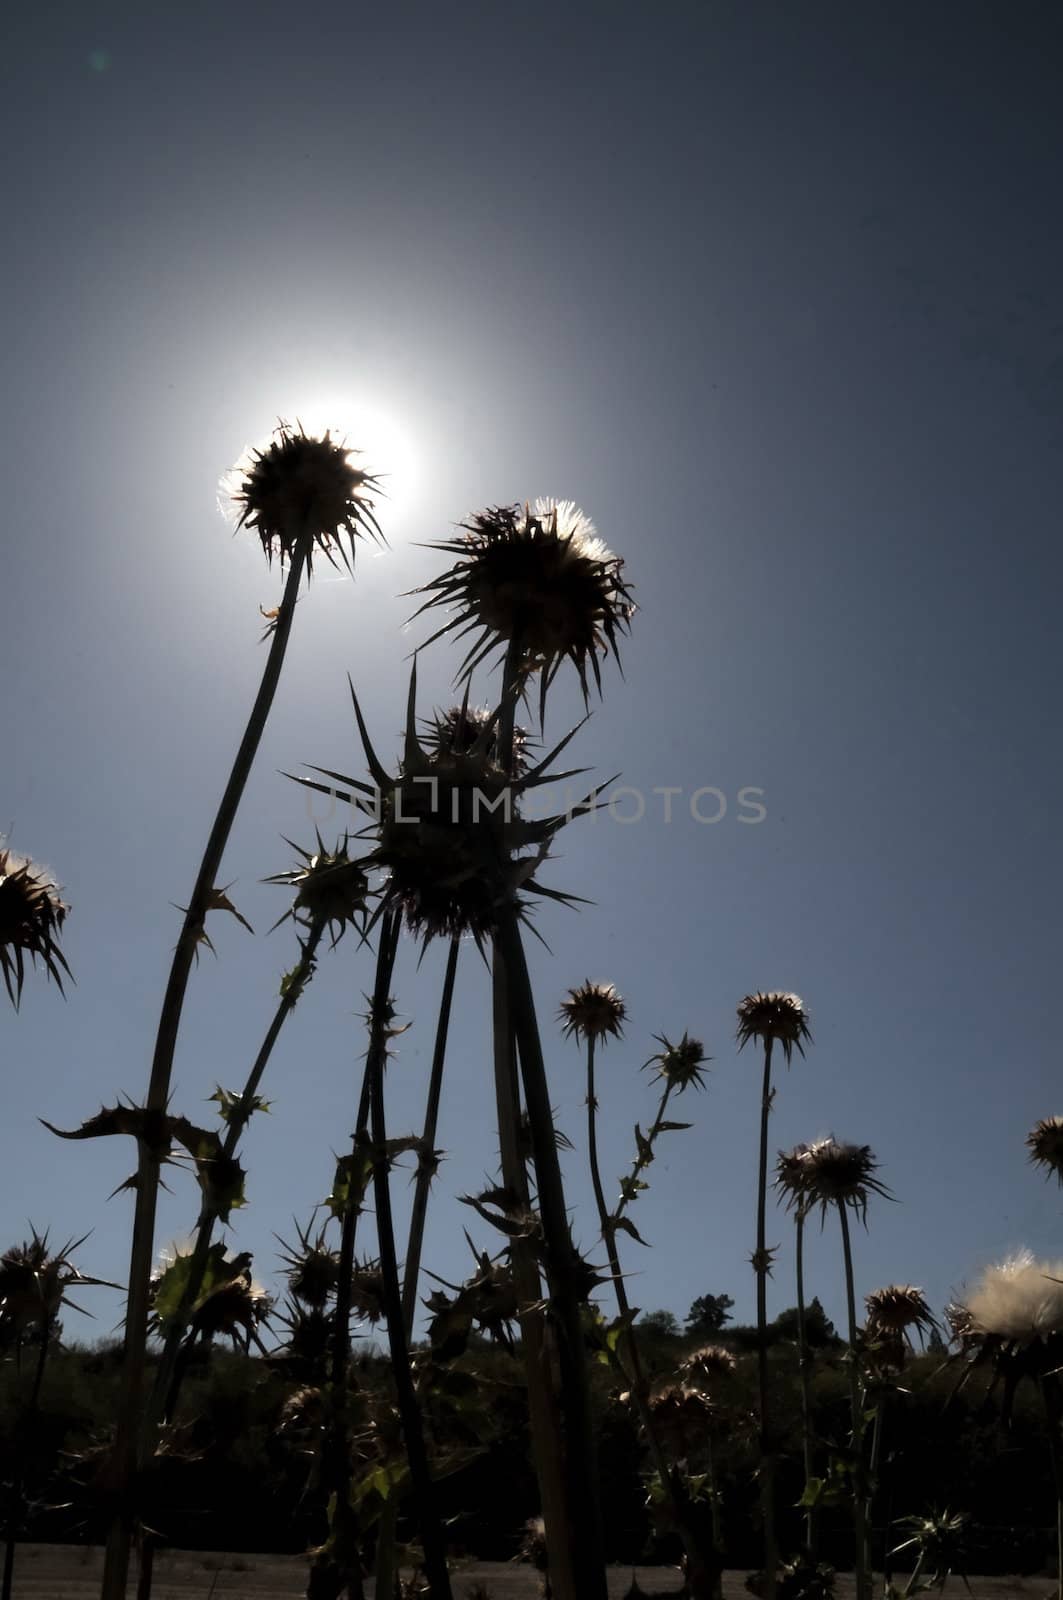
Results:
[382, 444]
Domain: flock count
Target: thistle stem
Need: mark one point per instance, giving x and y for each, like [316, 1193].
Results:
[166, 1386]
[761, 1263]
[1050, 1401]
[561, 1265]
[130, 1400]
[384, 1566]
[804, 1367]
[431, 1529]
[863, 1583]
[704, 1567]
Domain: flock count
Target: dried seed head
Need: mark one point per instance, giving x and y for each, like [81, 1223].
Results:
[331, 889]
[682, 1415]
[1020, 1300]
[367, 1291]
[712, 1361]
[774, 1016]
[542, 577]
[460, 728]
[841, 1175]
[593, 1011]
[451, 835]
[32, 914]
[791, 1176]
[311, 1268]
[679, 1064]
[892, 1315]
[1046, 1145]
[298, 492]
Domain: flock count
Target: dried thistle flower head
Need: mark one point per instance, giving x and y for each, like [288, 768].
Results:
[311, 1267]
[300, 492]
[1046, 1145]
[450, 833]
[460, 728]
[841, 1175]
[776, 1016]
[593, 1011]
[32, 914]
[682, 1415]
[791, 1176]
[541, 577]
[898, 1308]
[34, 1280]
[711, 1361]
[679, 1064]
[1019, 1300]
[331, 889]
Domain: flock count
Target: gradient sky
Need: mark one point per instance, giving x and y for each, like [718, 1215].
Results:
[774, 293]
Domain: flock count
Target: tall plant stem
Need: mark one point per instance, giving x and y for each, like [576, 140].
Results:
[877, 1431]
[561, 1269]
[704, 1568]
[804, 1367]
[127, 1432]
[431, 1529]
[384, 1567]
[863, 1576]
[22, 1459]
[328, 1577]
[544, 1420]
[163, 1398]
[761, 1262]
[1050, 1401]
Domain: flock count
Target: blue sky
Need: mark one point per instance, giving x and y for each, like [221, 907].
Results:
[773, 293]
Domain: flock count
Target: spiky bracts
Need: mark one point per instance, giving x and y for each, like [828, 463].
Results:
[449, 831]
[539, 577]
[32, 913]
[593, 1011]
[331, 888]
[298, 491]
[837, 1174]
[459, 728]
[791, 1176]
[1045, 1142]
[709, 1364]
[680, 1064]
[682, 1416]
[776, 1016]
[1019, 1300]
[894, 1313]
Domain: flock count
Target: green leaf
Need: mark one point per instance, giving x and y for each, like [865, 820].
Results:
[234, 1107]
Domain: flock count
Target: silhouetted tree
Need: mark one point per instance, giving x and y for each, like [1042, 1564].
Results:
[708, 1314]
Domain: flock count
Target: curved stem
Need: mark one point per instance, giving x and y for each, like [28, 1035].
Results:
[761, 1262]
[431, 1529]
[165, 1388]
[863, 1586]
[116, 1561]
[561, 1268]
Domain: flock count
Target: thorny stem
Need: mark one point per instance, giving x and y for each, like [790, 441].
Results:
[128, 1431]
[561, 1265]
[431, 1529]
[761, 1264]
[162, 1400]
[863, 1585]
[703, 1566]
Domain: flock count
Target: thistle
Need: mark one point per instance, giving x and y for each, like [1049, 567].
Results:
[300, 491]
[791, 1179]
[461, 729]
[32, 914]
[538, 580]
[771, 1016]
[708, 1364]
[311, 1268]
[774, 1016]
[893, 1313]
[593, 1011]
[331, 890]
[680, 1065]
[1046, 1145]
[449, 830]
[300, 495]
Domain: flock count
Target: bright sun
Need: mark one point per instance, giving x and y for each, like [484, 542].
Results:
[383, 445]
